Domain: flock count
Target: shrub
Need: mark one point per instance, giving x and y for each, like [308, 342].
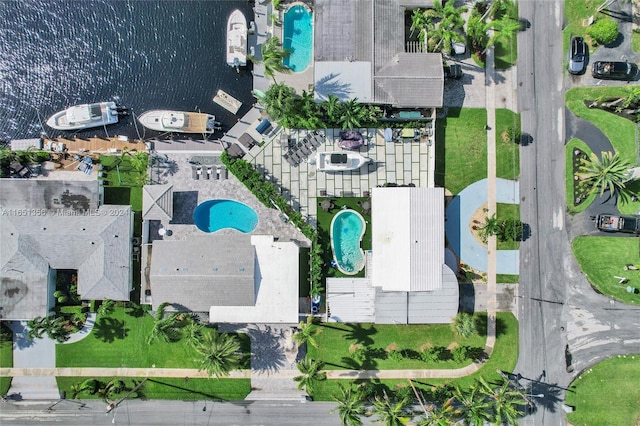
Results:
[511, 230]
[604, 31]
[459, 353]
[463, 325]
[359, 354]
[432, 354]
[395, 355]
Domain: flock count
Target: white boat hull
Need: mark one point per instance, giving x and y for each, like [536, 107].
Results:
[179, 121]
[338, 161]
[236, 39]
[85, 116]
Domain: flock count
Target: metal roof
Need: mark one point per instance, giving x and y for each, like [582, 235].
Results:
[351, 300]
[373, 32]
[407, 238]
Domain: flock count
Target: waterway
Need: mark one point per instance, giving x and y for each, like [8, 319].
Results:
[150, 54]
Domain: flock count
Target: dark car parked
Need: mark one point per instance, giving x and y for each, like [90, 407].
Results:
[577, 56]
[614, 70]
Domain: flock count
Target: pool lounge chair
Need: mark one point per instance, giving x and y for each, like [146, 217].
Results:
[194, 173]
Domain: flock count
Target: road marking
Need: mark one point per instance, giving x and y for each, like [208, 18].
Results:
[558, 219]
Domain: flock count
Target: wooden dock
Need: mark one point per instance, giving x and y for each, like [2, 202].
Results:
[227, 101]
[95, 145]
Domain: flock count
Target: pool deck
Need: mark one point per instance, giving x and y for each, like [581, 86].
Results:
[188, 193]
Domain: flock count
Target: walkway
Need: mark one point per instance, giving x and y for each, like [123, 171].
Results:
[85, 330]
[458, 231]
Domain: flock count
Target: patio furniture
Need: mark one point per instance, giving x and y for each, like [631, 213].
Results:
[218, 173]
[263, 127]
[304, 148]
[235, 151]
[207, 175]
[247, 140]
[289, 160]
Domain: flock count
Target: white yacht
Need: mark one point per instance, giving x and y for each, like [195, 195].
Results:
[85, 116]
[179, 121]
[337, 161]
[236, 40]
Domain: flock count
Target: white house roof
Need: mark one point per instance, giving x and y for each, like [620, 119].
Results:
[407, 238]
[277, 278]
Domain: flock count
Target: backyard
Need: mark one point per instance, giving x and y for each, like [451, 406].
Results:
[607, 394]
[603, 259]
[503, 357]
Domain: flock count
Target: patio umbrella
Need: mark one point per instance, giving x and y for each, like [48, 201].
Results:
[326, 204]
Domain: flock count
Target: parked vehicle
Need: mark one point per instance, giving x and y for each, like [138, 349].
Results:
[577, 56]
[614, 70]
[618, 223]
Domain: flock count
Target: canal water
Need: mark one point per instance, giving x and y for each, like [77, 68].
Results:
[151, 54]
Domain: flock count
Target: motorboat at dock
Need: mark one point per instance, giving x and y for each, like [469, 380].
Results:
[338, 161]
[86, 116]
[237, 40]
[179, 121]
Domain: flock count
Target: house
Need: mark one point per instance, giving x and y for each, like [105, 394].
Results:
[360, 51]
[236, 278]
[48, 226]
[408, 280]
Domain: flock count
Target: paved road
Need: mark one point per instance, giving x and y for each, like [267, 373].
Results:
[155, 413]
[564, 325]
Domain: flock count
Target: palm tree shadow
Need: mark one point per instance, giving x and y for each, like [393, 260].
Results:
[109, 329]
[360, 334]
[267, 353]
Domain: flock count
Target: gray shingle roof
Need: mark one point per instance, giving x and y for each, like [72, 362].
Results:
[204, 271]
[96, 243]
[157, 202]
[49, 194]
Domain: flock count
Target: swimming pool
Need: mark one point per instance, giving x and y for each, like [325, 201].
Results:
[214, 215]
[298, 37]
[347, 229]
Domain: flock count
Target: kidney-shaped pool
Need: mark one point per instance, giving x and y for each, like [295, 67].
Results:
[347, 229]
[214, 215]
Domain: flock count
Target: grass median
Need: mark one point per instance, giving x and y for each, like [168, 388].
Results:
[607, 394]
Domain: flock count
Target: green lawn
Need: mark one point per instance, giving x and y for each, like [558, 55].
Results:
[607, 394]
[171, 388]
[504, 212]
[324, 231]
[569, 178]
[120, 341]
[635, 41]
[461, 151]
[504, 357]
[603, 258]
[336, 338]
[507, 151]
[619, 131]
[6, 361]
[506, 53]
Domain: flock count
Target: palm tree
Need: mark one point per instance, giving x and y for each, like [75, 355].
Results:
[37, 327]
[390, 412]
[351, 113]
[490, 228]
[332, 108]
[307, 331]
[504, 401]
[420, 23]
[279, 101]
[165, 328]
[193, 332]
[219, 353]
[90, 386]
[439, 415]
[610, 174]
[350, 406]
[107, 307]
[504, 28]
[449, 29]
[310, 373]
[474, 409]
[463, 325]
[272, 56]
